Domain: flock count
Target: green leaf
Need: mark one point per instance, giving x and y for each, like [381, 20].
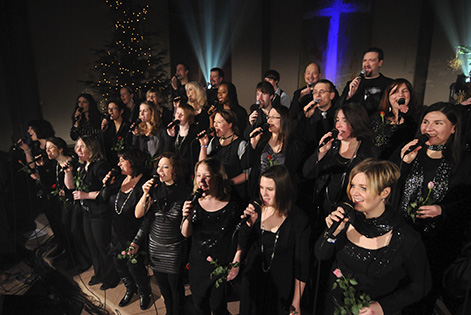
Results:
[334, 286]
[353, 281]
[134, 261]
[343, 312]
[355, 309]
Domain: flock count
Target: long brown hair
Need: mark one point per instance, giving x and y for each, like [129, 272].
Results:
[284, 187]
[219, 177]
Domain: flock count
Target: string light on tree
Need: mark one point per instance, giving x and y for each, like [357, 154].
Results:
[130, 57]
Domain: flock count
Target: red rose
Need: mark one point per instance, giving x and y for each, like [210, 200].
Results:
[19, 161]
[54, 186]
[269, 156]
[119, 138]
[381, 113]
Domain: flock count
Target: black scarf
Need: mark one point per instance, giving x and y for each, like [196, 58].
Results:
[376, 226]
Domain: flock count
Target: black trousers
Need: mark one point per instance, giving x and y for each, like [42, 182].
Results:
[173, 291]
[97, 230]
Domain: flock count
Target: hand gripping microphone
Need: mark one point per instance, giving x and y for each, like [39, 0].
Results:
[347, 206]
[316, 102]
[192, 198]
[206, 132]
[258, 208]
[422, 139]
[173, 123]
[114, 173]
[264, 129]
[334, 135]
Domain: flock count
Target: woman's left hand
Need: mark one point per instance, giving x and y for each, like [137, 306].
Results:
[232, 274]
[374, 309]
[133, 249]
[431, 211]
[80, 195]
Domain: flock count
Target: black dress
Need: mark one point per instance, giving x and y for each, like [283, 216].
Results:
[396, 275]
[167, 246]
[168, 249]
[212, 236]
[271, 291]
[126, 229]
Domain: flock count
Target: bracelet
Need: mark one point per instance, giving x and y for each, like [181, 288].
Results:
[204, 146]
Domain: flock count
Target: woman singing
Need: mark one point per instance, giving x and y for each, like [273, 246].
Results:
[86, 119]
[277, 242]
[228, 148]
[396, 122]
[333, 160]
[115, 131]
[277, 146]
[435, 173]
[373, 246]
[72, 217]
[184, 134]
[150, 136]
[122, 196]
[96, 214]
[210, 222]
[168, 249]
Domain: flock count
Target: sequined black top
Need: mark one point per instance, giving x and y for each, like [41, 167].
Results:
[212, 233]
[396, 275]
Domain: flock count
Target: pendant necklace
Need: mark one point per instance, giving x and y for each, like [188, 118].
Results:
[124, 203]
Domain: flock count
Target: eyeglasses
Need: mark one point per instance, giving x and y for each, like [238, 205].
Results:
[273, 117]
[321, 92]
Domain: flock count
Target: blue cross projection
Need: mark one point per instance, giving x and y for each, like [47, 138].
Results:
[334, 11]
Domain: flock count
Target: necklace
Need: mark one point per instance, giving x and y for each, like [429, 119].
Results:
[124, 203]
[224, 138]
[277, 235]
[436, 147]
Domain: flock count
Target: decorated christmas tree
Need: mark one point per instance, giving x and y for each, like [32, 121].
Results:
[131, 57]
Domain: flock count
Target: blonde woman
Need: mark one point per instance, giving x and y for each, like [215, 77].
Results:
[150, 136]
[197, 98]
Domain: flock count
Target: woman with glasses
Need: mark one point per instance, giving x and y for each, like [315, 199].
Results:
[115, 131]
[228, 148]
[273, 147]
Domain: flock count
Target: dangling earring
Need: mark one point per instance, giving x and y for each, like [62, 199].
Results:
[383, 199]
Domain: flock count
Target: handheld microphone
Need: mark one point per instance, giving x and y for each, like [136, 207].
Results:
[134, 124]
[173, 123]
[334, 135]
[40, 156]
[347, 206]
[362, 73]
[73, 159]
[316, 102]
[113, 174]
[258, 208]
[192, 198]
[400, 102]
[205, 132]
[264, 129]
[422, 139]
[310, 84]
[19, 143]
[80, 109]
[107, 116]
[156, 179]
